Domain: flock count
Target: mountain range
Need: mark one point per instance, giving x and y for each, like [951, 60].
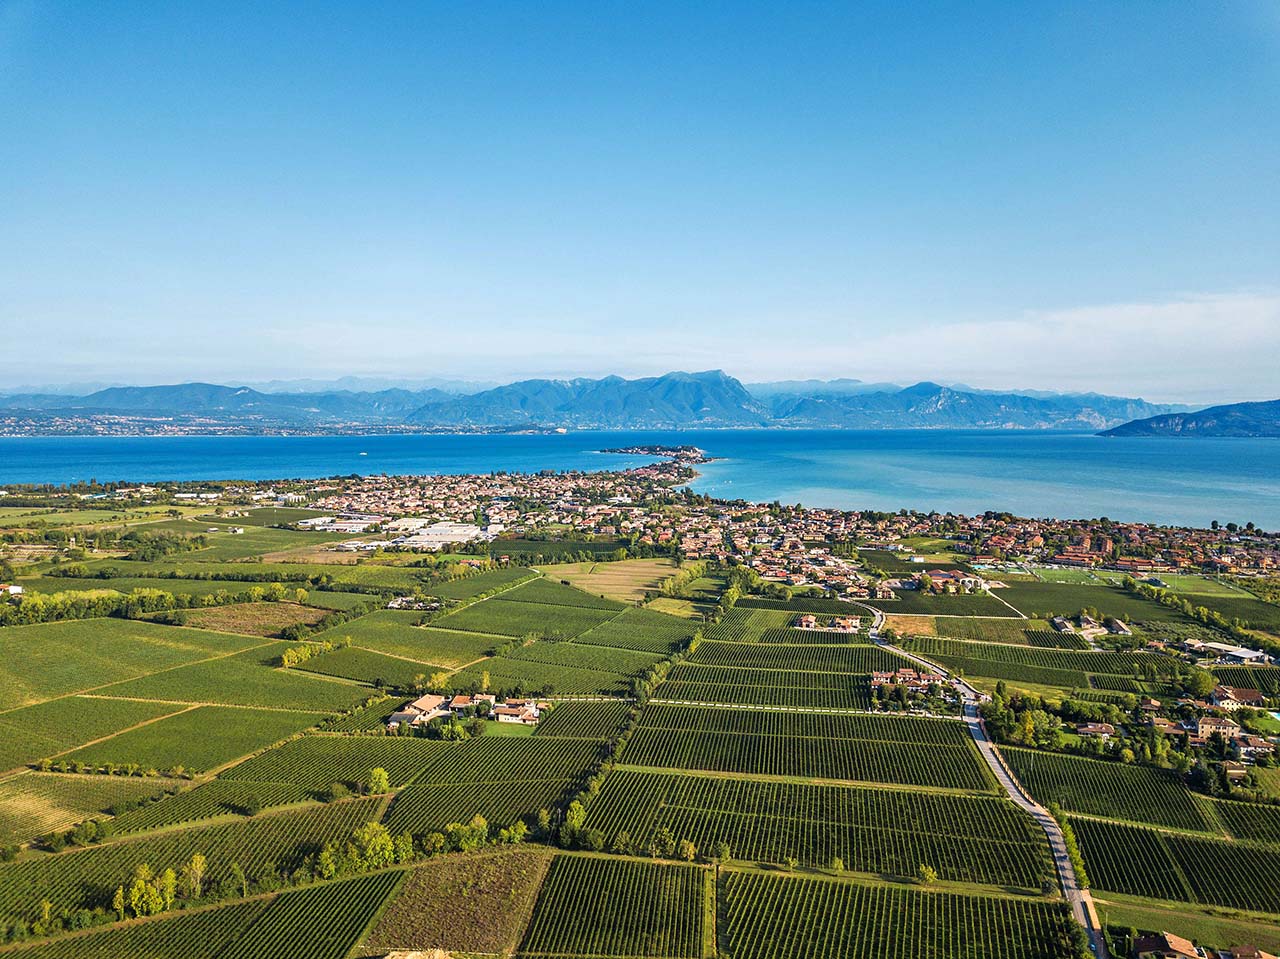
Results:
[677, 400]
[1234, 419]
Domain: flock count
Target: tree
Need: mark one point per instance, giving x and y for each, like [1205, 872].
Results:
[374, 846]
[240, 879]
[927, 875]
[379, 781]
[117, 902]
[721, 852]
[837, 864]
[687, 851]
[193, 875]
[168, 886]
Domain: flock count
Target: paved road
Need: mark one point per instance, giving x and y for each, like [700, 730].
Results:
[1080, 900]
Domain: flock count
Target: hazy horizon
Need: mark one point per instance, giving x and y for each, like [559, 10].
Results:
[1075, 197]
[373, 383]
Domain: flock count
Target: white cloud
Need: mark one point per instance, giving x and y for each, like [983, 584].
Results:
[1196, 347]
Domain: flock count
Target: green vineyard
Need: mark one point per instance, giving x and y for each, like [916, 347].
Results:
[889, 831]
[1143, 862]
[779, 917]
[898, 750]
[618, 907]
[1099, 788]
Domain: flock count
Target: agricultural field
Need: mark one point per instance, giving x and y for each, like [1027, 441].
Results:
[518, 676]
[205, 934]
[214, 799]
[1136, 793]
[199, 739]
[366, 666]
[1265, 679]
[394, 632]
[764, 687]
[54, 659]
[748, 624]
[467, 904]
[1252, 821]
[645, 630]
[88, 876]
[628, 581]
[1085, 661]
[507, 617]
[245, 679]
[32, 804]
[253, 619]
[1046, 600]
[899, 750]
[320, 922]
[42, 732]
[585, 720]
[467, 587]
[1012, 631]
[1138, 861]
[317, 761]
[1255, 612]
[850, 658]
[542, 590]
[430, 808]
[883, 831]
[619, 907]
[765, 916]
[917, 603]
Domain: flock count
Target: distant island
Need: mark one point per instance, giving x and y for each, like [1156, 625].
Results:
[1234, 419]
[677, 400]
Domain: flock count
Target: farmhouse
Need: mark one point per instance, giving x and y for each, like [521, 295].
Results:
[1102, 731]
[419, 712]
[1206, 726]
[1167, 946]
[1232, 698]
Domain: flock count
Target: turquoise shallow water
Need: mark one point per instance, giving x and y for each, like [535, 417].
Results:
[1185, 481]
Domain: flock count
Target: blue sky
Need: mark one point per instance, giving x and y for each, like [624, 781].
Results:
[1073, 196]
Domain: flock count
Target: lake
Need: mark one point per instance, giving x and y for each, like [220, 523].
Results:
[1161, 480]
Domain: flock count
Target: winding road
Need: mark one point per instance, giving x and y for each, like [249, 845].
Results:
[1080, 900]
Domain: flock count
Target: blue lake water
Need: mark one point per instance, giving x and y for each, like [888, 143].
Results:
[1183, 481]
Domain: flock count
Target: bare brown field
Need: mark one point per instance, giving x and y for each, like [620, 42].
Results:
[472, 903]
[626, 581]
[253, 619]
[912, 625]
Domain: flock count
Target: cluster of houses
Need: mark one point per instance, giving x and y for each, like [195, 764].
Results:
[832, 624]
[1199, 731]
[1166, 945]
[913, 680]
[425, 709]
[1090, 628]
